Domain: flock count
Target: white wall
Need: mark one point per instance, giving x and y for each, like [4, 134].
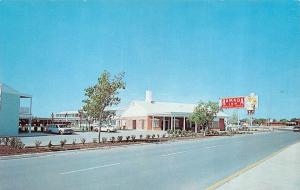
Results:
[9, 114]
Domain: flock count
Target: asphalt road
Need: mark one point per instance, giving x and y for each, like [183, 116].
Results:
[175, 165]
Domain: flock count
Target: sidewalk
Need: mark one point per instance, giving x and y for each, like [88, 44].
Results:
[282, 171]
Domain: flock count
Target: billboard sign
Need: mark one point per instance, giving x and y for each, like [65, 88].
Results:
[251, 102]
[234, 102]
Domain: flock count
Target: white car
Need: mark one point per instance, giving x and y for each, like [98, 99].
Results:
[106, 128]
[59, 129]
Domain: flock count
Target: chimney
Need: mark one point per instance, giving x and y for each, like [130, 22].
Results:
[148, 97]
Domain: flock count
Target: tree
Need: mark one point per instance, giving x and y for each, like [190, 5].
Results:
[234, 118]
[103, 95]
[283, 120]
[204, 114]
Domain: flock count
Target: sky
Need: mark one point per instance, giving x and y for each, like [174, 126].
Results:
[183, 51]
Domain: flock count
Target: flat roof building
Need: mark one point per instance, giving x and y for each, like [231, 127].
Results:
[10, 110]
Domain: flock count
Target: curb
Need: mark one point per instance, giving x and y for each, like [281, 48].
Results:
[247, 168]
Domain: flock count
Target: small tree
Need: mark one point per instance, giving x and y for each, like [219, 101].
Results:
[103, 95]
[204, 114]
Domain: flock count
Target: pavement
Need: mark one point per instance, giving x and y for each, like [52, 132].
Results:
[279, 171]
[182, 165]
[77, 136]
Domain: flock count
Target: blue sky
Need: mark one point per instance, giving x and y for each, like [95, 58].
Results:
[183, 51]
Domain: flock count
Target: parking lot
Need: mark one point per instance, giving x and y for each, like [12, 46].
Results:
[77, 136]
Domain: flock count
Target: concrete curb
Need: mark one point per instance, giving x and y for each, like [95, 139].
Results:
[247, 168]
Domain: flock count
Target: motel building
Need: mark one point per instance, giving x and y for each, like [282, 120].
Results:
[11, 108]
[161, 116]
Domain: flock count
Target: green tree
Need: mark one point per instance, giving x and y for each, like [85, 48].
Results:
[103, 95]
[284, 120]
[234, 119]
[204, 114]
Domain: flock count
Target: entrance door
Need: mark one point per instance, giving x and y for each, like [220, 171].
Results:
[166, 124]
[134, 124]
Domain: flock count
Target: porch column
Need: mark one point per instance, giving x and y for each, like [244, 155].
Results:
[164, 123]
[30, 116]
[172, 123]
[184, 123]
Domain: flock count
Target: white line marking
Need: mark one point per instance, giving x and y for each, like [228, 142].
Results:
[174, 153]
[211, 146]
[92, 168]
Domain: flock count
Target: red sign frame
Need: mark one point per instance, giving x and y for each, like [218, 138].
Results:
[234, 102]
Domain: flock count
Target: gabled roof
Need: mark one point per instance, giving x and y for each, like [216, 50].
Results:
[143, 108]
[8, 90]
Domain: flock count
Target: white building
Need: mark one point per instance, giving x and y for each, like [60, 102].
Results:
[152, 115]
[10, 110]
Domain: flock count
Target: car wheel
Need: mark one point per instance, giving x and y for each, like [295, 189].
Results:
[108, 130]
[60, 133]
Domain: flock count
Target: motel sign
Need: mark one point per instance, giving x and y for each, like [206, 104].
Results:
[235, 102]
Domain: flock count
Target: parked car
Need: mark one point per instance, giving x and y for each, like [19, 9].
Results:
[106, 128]
[296, 129]
[59, 129]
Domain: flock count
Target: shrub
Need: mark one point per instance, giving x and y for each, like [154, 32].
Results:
[158, 135]
[141, 136]
[16, 143]
[112, 139]
[164, 136]
[74, 142]
[133, 137]
[147, 136]
[37, 143]
[153, 136]
[6, 141]
[169, 131]
[63, 142]
[83, 141]
[120, 138]
[49, 144]
[127, 138]
[104, 139]
[95, 140]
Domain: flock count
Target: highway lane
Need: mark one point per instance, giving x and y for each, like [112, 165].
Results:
[174, 165]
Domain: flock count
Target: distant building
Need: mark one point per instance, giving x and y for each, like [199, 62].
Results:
[152, 115]
[10, 110]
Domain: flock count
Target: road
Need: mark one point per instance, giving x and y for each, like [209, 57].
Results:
[176, 165]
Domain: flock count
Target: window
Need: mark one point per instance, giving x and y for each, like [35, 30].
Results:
[155, 123]
[142, 123]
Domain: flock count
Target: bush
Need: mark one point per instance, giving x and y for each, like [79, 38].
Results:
[49, 144]
[6, 141]
[164, 136]
[104, 139]
[153, 136]
[133, 137]
[112, 139]
[74, 142]
[63, 142]
[37, 143]
[95, 140]
[83, 141]
[158, 135]
[147, 136]
[120, 138]
[127, 138]
[16, 143]
[141, 136]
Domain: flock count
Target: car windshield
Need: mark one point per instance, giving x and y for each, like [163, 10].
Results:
[62, 126]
